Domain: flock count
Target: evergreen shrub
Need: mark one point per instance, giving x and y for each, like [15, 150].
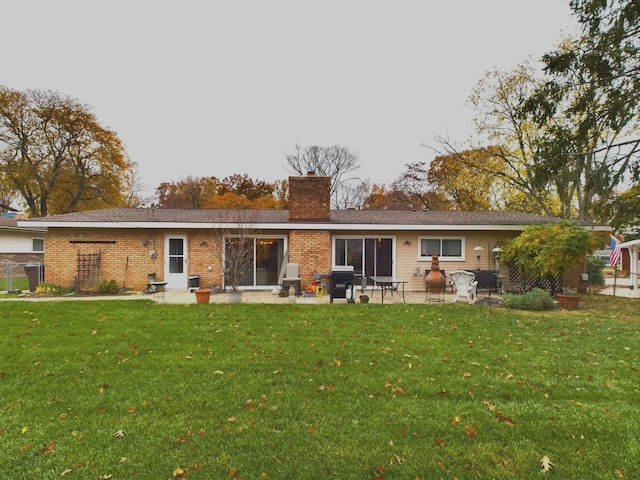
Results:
[536, 299]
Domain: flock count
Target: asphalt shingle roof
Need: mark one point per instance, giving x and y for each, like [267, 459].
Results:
[338, 217]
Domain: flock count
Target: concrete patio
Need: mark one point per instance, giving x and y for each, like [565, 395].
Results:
[620, 289]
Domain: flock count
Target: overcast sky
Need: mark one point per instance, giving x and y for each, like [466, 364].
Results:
[214, 88]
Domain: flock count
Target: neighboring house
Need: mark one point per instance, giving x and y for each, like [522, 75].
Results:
[632, 247]
[20, 244]
[128, 244]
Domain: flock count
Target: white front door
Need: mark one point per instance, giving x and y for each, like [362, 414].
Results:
[175, 261]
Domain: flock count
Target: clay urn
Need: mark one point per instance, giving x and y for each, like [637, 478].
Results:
[435, 280]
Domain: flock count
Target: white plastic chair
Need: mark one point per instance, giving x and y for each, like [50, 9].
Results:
[465, 283]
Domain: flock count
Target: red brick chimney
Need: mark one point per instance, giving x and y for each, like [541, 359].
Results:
[309, 198]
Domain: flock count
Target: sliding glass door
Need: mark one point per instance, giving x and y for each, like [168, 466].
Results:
[369, 256]
[267, 257]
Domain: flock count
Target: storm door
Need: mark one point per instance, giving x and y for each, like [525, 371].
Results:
[175, 261]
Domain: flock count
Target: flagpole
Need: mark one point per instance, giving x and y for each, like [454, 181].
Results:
[614, 259]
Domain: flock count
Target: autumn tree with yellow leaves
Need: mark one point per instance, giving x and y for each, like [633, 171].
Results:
[55, 157]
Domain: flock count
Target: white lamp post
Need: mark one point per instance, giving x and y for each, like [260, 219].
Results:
[496, 253]
[478, 249]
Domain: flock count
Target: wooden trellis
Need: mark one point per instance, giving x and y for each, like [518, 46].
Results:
[88, 270]
[521, 282]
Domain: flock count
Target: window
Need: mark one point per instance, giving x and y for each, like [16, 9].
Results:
[38, 244]
[445, 248]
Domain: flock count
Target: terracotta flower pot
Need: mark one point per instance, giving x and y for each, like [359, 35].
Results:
[568, 302]
[202, 295]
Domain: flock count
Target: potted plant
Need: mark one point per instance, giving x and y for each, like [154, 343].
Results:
[202, 295]
[569, 298]
[238, 257]
[547, 251]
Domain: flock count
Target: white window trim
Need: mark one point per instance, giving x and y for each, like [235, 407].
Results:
[427, 258]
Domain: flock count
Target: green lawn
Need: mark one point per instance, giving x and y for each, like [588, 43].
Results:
[132, 389]
[18, 283]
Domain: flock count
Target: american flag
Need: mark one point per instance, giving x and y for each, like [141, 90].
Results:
[614, 256]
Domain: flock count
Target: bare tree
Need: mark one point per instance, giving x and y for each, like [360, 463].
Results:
[237, 236]
[415, 190]
[336, 162]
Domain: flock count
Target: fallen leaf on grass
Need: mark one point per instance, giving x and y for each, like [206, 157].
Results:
[546, 464]
[49, 448]
[67, 471]
[505, 420]
[328, 386]
[119, 434]
[471, 431]
[103, 388]
[186, 438]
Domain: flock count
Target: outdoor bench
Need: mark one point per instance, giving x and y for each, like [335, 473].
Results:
[488, 281]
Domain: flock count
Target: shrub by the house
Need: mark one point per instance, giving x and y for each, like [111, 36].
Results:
[536, 299]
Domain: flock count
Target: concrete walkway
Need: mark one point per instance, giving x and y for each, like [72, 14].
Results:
[619, 287]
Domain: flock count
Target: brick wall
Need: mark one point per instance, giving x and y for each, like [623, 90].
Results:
[572, 278]
[64, 245]
[204, 251]
[309, 198]
[312, 250]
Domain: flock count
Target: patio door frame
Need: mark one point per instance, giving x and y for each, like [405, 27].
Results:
[378, 254]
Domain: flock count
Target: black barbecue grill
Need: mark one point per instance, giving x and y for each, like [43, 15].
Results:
[342, 283]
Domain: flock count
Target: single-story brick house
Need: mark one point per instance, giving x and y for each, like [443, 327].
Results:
[178, 244]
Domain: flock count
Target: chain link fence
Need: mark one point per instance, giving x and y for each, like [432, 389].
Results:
[18, 276]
